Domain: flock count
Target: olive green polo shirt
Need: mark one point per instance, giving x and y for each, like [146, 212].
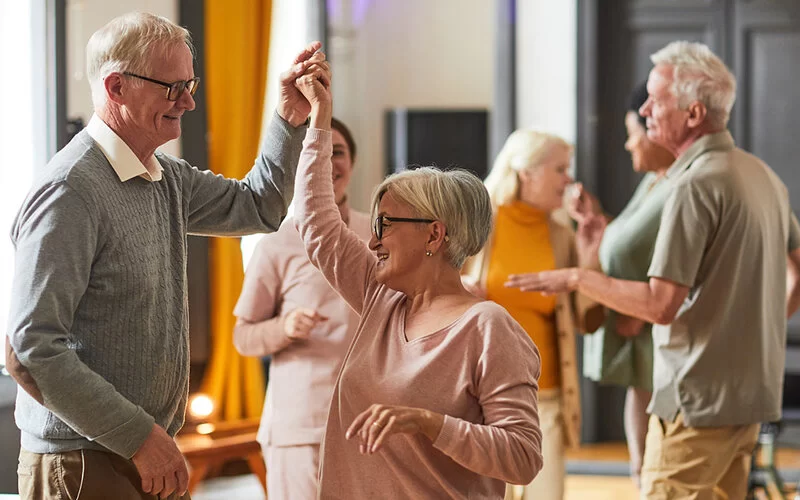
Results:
[725, 231]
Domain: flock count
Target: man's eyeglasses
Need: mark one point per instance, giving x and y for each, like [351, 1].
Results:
[174, 89]
[381, 220]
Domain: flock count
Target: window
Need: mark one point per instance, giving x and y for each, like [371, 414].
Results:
[287, 38]
[23, 129]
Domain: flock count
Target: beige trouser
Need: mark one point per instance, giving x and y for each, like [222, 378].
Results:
[696, 463]
[549, 483]
[96, 475]
[292, 472]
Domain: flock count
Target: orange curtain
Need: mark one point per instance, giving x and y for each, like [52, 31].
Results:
[236, 49]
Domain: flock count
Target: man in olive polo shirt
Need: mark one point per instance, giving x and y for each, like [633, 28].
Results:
[718, 290]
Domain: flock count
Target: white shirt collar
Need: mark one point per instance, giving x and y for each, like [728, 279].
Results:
[124, 162]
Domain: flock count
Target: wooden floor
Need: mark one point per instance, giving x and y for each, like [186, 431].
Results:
[785, 458]
[600, 488]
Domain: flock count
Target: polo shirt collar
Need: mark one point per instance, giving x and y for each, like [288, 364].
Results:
[720, 141]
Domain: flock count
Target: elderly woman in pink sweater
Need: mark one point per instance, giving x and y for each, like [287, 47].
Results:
[437, 395]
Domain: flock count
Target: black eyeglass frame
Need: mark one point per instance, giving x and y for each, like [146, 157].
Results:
[378, 225]
[174, 89]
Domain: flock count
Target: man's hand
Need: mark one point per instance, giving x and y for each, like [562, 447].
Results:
[546, 282]
[20, 374]
[161, 465]
[292, 105]
[299, 323]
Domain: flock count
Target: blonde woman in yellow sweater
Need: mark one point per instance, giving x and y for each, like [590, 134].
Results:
[526, 187]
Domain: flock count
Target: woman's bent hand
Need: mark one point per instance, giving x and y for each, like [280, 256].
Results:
[374, 425]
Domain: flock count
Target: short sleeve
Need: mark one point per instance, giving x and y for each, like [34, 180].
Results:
[687, 225]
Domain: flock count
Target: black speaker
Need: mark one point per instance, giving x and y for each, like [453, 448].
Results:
[437, 137]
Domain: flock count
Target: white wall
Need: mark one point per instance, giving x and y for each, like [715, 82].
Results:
[422, 53]
[405, 53]
[547, 61]
[84, 17]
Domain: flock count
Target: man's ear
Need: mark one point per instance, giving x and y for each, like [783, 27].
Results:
[115, 87]
[697, 114]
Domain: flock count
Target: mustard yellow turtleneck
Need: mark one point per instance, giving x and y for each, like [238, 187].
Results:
[522, 245]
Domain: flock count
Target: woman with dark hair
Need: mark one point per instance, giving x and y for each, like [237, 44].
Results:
[621, 351]
[289, 311]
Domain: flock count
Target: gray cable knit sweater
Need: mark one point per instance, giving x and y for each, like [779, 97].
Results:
[99, 305]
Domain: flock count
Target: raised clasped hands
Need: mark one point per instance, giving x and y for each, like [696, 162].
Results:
[315, 83]
[293, 105]
[376, 424]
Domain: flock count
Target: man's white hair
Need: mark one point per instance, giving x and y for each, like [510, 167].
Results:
[699, 75]
[128, 43]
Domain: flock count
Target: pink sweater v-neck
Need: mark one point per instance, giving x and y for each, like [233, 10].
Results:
[480, 372]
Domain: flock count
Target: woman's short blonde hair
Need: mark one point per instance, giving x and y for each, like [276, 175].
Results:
[523, 149]
[128, 43]
[455, 197]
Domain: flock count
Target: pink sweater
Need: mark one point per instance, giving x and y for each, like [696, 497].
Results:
[480, 372]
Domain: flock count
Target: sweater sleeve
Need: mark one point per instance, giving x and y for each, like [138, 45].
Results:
[55, 236]
[507, 445]
[229, 207]
[332, 247]
[261, 331]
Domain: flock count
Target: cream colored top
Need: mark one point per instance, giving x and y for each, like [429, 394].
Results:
[279, 279]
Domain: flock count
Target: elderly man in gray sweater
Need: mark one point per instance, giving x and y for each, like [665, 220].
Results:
[99, 335]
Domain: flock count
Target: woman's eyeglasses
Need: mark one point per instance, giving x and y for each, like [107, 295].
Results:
[381, 220]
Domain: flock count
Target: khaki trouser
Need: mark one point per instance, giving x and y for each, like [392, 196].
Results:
[549, 483]
[697, 463]
[95, 474]
[292, 472]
